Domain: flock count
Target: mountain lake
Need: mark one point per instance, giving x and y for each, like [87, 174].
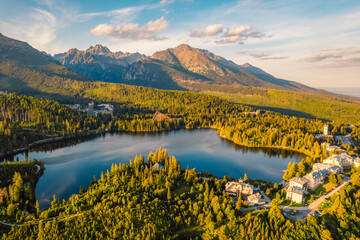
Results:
[73, 163]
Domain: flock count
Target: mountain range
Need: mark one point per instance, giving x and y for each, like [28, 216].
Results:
[179, 68]
[25, 70]
[98, 62]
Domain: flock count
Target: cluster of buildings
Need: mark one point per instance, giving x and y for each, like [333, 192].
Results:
[103, 108]
[347, 140]
[244, 191]
[256, 113]
[93, 110]
[325, 133]
[298, 187]
[343, 160]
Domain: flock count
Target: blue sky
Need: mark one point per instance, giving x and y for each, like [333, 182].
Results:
[313, 42]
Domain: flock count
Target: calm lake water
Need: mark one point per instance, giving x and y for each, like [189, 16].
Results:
[69, 167]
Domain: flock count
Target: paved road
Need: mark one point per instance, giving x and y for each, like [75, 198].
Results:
[304, 211]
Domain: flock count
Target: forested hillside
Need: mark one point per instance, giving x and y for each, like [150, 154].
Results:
[292, 103]
[135, 201]
[17, 188]
[25, 120]
[135, 106]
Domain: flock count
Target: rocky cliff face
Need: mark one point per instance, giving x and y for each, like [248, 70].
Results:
[98, 62]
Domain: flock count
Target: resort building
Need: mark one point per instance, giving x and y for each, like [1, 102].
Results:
[295, 194]
[296, 189]
[315, 179]
[106, 107]
[325, 133]
[330, 168]
[298, 182]
[334, 170]
[342, 160]
[239, 188]
[255, 199]
[330, 148]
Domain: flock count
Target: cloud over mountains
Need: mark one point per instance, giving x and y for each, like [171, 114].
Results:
[229, 35]
[210, 30]
[132, 31]
[338, 57]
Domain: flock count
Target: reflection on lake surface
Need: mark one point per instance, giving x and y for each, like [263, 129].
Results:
[72, 164]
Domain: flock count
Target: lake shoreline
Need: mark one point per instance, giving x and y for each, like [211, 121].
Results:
[77, 161]
[61, 138]
[268, 147]
[42, 142]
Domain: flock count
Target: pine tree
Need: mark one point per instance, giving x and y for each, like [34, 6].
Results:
[245, 177]
[238, 203]
[169, 194]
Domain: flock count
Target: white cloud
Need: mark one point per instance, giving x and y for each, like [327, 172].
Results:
[331, 54]
[237, 31]
[229, 40]
[241, 52]
[39, 29]
[259, 55]
[164, 2]
[231, 35]
[210, 30]
[264, 56]
[132, 31]
[117, 14]
[335, 58]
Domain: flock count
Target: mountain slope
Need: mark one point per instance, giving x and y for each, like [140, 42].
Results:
[179, 68]
[98, 62]
[25, 70]
[187, 66]
[19, 62]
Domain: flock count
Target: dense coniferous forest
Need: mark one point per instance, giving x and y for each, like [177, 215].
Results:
[136, 201]
[25, 120]
[28, 119]
[17, 188]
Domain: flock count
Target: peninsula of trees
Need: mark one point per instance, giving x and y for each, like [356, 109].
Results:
[137, 201]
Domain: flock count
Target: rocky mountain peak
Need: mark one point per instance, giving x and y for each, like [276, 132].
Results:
[73, 51]
[184, 47]
[98, 50]
[247, 65]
